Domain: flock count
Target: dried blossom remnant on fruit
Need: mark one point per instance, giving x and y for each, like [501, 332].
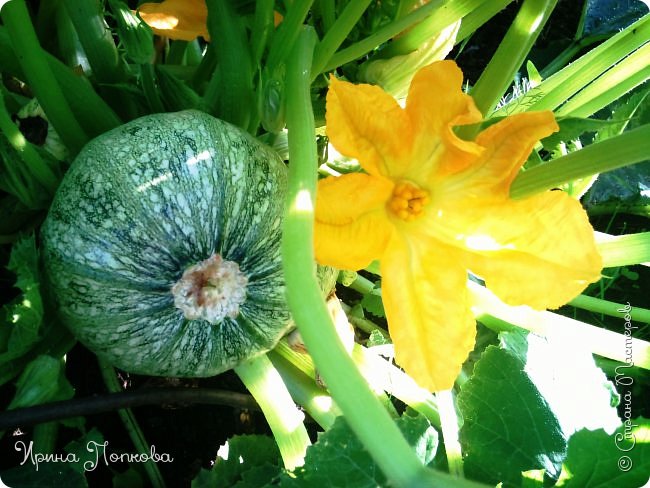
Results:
[211, 290]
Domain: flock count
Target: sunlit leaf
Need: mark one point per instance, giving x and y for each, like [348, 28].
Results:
[508, 426]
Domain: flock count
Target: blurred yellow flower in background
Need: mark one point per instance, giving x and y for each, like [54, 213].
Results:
[177, 19]
[432, 206]
[183, 20]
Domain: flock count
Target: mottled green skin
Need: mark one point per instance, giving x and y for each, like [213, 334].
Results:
[139, 205]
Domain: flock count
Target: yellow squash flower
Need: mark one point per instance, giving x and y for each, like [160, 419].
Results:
[431, 207]
[177, 19]
[183, 20]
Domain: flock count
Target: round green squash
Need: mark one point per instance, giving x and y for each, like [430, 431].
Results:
[162, 246]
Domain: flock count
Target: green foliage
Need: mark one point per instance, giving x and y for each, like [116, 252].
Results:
[53, 475]
[371, 302]
[42, 380]
[85, 450]
[252, 460]
[620, 460]
[339, 459]
[508, 427]
[24, 315]
[606, 17]
[526, 405]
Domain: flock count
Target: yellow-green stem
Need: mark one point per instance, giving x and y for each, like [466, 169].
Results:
[131, 426]
[599, 341]
[450, 425]
[37, 70]
[286, 421]
[511, 53]
[365, 415]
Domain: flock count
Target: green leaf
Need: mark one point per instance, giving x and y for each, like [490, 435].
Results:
[622, 460]
[572, 128]
[622, 190]
[24, 315]
[175, 94]
[339, 459]
[610, 16]
[508, 427]
[372, 303]
[576, 391]
[251, 461]
[42, 380]
[376, 338]
[86, 451]
[52, 475]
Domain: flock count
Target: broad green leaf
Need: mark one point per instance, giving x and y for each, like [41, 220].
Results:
[48, 474]
[610, 16]
[42, 380]
[371, 302]
[88, 449]
[376, 338]
[251, 460]
[621, 460]
[23, 316]
[576, 391]
[572, 128]
[508, 426]
[622, 190]
[339, 459]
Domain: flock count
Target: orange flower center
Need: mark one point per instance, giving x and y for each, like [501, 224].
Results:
[408, 201]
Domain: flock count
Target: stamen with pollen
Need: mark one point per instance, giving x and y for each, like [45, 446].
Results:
[408, 201]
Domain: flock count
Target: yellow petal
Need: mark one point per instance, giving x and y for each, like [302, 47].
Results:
[351, 227]
[424, 290]
[365, 123]
[177, 19]
[508, 143]
[435, 104]
[539, 251]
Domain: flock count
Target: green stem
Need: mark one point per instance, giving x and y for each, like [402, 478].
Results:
[479, 16]
[382, 35]
[265, 384]
[624, 250]
[364, 413]
[41, 80]
[96, 39]
[33, 161]
[511, 53]
[613, 309]
[572, 50]
[449, 426]
[367, 326]
[363, 285]
[230, 91]
[557, 89]
[205, 69]
[304, 391]
[287, 33]
[445, 14]
[131, 426]
[623, 150]
[382, 375]
[150, 88]
[44, 437]
[262, 29]
[610, 86]
[327, 10]
[337, 34]
[599, 341]
[176, 52]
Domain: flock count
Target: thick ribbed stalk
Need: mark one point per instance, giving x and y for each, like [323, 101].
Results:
[364, 413]
[265, 384]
